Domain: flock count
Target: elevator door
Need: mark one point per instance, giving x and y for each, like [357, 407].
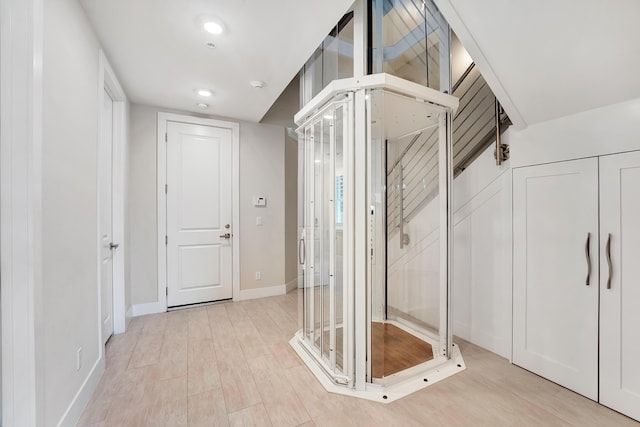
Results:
[323, 246]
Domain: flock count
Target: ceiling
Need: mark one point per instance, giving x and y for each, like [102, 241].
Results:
[159, 49]
[547, 59]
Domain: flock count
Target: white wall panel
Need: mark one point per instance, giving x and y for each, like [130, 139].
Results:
[69, 212]
[461, 304]
[607, 130]
[482, 260]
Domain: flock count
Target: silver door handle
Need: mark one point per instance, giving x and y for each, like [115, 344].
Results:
[608, 253]
[225, 236]
[113, 246]
[586, 252]
[302, 246]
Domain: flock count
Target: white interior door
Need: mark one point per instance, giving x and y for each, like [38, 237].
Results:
[199, 214]
[620, 282]
[555, 292]
[106, 222]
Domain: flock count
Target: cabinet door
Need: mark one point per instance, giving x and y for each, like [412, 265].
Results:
[620, 283]
[555, 273]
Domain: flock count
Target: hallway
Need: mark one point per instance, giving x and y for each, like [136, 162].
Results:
[231, 364]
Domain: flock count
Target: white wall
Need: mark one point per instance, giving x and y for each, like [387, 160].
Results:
[262, 173]
[281, 114]
[291, 210]
[69, 213]
[606, 130]
[142, 205]
[481, 305]
[460, 59]
[128, 300]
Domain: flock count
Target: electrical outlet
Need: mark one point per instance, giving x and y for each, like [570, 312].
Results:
[258, 220]
[258, 275]
[79, 359]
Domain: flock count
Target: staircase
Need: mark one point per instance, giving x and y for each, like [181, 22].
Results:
[474, 125]
[412, 177]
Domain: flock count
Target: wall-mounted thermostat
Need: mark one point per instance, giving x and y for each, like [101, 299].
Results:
[259, 201]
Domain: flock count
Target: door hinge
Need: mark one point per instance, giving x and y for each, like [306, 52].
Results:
[166, 138]
[166, 188]
[166, 240]
[167, 290]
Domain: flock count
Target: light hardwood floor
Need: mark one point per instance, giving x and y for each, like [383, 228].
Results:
[394, 350]
[231, 364]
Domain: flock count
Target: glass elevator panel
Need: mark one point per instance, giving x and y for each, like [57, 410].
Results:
[406, 286]
[377, 235]
[323, 310]
[411, 39]
[332, 60]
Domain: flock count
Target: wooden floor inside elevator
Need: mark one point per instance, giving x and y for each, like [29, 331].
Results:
[395, 350]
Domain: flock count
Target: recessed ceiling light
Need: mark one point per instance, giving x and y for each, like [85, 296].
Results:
[258, 84]
[205, 92]
[202, 106]
[328, 116]
[213, 27]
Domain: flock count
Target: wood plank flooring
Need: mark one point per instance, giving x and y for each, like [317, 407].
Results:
[231, 365]
[395, 350]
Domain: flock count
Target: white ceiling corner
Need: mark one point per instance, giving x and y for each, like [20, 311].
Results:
[548, 59]
[159, 51]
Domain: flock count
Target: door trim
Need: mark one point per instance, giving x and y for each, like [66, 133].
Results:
[107, 81]
[163, 119]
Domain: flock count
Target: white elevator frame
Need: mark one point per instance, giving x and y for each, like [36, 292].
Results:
[356, 194]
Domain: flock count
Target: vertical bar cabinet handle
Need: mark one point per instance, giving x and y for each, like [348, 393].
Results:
[608, 252]
[588, 255]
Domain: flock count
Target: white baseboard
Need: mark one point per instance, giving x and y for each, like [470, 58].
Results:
[293, 284]
[494, 343]
[127, 317]
[80, 400]
[270, 291]
[462, 330]
[147, 308]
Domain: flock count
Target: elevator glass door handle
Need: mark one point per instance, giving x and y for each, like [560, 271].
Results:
[302, 247]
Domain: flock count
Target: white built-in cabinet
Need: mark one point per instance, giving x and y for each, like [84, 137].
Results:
[555, 324]
[620, 283]
[576, 276]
